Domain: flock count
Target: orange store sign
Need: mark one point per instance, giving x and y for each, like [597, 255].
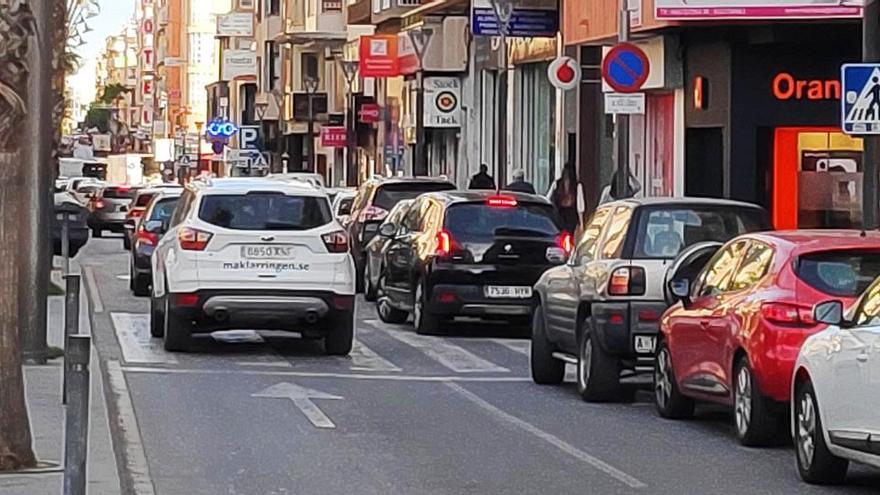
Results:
[378, 56]
[789, 87]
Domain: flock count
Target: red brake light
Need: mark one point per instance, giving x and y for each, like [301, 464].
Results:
[148, 238]
[787, 313]
[135, 213]
[336, 242]
[186, 300]
[444, 244]
[501, 201]
[193, 239]
[566, 242]
[627, 281]
[124, 188]
[99, 203]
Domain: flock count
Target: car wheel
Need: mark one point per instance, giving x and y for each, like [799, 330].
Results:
[387, 312]
[755, 424]
[157, 318]
[340, 334]
[424, 322]
[670, 403]
[816, 464]
[369, 288]
[178, 331]
[598, 374]
[126, 242]
[97, 233]
[140, 285]
[546, 369]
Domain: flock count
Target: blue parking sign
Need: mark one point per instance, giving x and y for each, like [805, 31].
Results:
[860, 101]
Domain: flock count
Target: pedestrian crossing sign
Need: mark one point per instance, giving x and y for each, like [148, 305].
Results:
[860, 102]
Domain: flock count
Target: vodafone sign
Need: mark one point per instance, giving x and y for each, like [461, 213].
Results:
[564, 73]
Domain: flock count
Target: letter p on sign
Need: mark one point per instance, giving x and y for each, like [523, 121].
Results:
[250, 137]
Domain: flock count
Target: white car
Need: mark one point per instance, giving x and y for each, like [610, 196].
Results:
[342, 205]
[316, 180]
[253, 253]
[836, 391]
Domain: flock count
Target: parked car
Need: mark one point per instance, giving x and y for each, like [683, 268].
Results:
[473, 253]
[108, 208]
[373, 202]
[77, 226]
[316, 180]
[136, 210]
[252, 253]
[836, 391]
[145, 237]
[83, 189]
[734, 337]
[335, 192]
[341, 203]
[601, 310]
[375, 252]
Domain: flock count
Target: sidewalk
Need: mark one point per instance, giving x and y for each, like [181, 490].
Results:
[43, 393]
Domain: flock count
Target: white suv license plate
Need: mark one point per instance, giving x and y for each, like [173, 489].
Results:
[645, 344]
[260, 252]
[507, 292]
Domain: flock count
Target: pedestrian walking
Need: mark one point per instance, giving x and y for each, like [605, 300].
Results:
[564, 198]
[482, 179]
[609, 193]
[520, 184]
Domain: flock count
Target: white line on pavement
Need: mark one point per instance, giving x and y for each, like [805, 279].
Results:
[137, 467]
[365, 359]
[516, 345]
[549, 438]
[133, 333]
[92, 288]
[309, 374]
[449, 355]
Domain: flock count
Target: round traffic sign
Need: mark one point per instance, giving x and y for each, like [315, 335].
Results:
[564, 73]
[626, 68]
[446, 101]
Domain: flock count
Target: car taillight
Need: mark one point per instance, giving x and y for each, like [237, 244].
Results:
[336, 242]
[444, 244]
[193, 239]
[136, 213]
[501, 201]
[148, 238]
[373, 213]
[99, 203]
[787, 313]
[627, 281]
[566, 242]
[186, 300]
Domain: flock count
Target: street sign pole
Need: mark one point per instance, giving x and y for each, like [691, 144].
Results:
[420, 38]
[870, 53]
[623, 119]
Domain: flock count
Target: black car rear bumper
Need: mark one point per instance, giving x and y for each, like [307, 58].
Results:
[618, 324]
[470, 300]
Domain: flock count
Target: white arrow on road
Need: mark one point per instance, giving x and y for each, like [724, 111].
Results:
[302, 398]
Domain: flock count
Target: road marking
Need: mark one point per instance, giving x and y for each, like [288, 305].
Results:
[135, 458]
[365, 359]
[549, 438]
[302, 398]
[133, 334]
[92, 288]
[268, 363]
[311, 374]
[516, 345]
[449, 355]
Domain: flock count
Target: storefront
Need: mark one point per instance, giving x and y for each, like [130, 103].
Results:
[763, 114]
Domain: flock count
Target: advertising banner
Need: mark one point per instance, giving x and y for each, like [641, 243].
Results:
[236, 24]
[756, 9]
[238, 63]
[378, 56]
[333, 137]
[530, 18]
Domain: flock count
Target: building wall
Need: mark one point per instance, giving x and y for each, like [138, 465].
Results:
[585, 21]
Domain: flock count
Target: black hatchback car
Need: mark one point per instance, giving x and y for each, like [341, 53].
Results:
[474, 253]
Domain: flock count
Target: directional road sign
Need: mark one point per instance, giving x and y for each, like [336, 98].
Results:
[860, 104]
[626, 68]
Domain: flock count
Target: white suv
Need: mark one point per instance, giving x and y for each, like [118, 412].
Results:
[253, 253]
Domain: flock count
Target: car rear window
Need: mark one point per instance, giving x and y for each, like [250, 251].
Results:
[476, 221]
[663, 233]
[143, 200]
[388, 195]
[163, 209]
[345, 206]
[265, 211]
[118, 193]
[839, 273]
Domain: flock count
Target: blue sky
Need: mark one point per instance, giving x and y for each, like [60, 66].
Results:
[114, 14]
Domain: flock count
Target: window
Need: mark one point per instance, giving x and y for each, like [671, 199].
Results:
[716, 276]
[273, 7]
[869, 309]
[616, 233]
[840, 273]
[265, 211]
[390, 194]
[309, 66]
[478, 221]
[412, 221]
[143, 200]
[362, 197]
[164, 209]
[755, 265]
[586, 250]
[271, 59]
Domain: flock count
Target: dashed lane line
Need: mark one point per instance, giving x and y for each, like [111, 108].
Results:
[553, 440]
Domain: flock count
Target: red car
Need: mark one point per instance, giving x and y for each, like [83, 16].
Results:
[734, 336]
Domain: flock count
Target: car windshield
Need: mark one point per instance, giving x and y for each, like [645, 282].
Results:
[389, 195]
[163, 209]
[118, 193]
[479, 221]
[663, 233]
[265, 211]
[839, 273]
[143, 200]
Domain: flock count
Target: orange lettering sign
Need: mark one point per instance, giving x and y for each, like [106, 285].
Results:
[787, 87]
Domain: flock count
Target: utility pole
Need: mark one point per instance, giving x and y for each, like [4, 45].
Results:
[503, 13]
[350, 70]
[311, 84]
[623, 119]
[870, 54]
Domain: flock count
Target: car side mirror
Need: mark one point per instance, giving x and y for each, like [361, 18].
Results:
[155, 227]
[829, 313]
[681, 290]
[388, 230]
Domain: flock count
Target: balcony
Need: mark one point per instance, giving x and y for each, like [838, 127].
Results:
[385, 10]
[359, 12]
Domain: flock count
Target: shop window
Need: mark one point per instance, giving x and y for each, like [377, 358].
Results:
[652, 137]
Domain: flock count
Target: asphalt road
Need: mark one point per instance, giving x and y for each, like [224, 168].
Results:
[405, 414]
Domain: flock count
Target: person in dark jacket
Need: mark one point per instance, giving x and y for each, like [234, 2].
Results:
[482, 180]
[564, 197]
[519, 183]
